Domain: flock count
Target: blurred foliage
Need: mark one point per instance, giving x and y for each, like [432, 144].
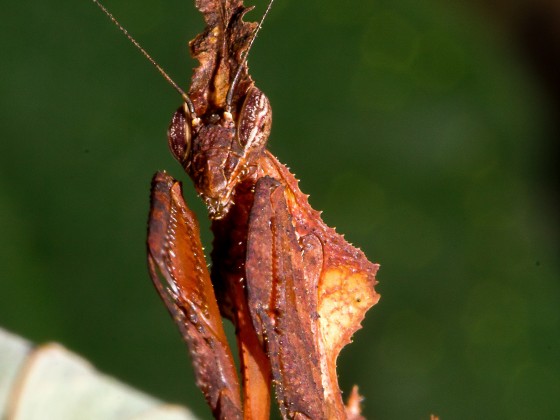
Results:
[414, 125]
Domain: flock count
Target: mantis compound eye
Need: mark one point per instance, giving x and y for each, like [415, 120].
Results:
[255, 120]
[179, 134]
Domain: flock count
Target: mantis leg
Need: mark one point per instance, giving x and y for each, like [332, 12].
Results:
[228, 276]
[179, 273]
[280, 297]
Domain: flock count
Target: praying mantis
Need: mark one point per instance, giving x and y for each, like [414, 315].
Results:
[294, 289]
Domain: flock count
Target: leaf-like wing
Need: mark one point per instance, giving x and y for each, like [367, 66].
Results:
[178, 271]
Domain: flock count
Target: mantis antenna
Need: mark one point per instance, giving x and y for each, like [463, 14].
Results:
[229, 97]
[151, 60]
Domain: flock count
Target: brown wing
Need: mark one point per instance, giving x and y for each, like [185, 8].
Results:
[178, 271]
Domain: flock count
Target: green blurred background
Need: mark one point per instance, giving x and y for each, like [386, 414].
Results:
[426, 131]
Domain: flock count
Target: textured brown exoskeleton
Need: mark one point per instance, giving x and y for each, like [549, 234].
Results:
[295, 290]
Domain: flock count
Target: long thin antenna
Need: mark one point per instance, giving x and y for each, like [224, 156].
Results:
[229, 97]
[150, 59]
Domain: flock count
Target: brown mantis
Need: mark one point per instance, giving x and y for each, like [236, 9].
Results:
[294, 289]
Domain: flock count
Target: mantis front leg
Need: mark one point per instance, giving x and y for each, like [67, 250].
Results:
[179, 273]
[282, 300]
